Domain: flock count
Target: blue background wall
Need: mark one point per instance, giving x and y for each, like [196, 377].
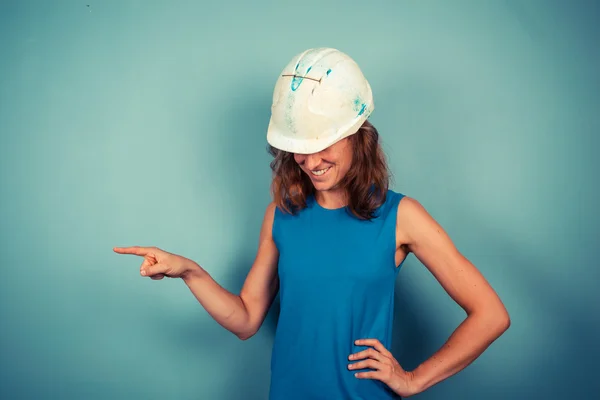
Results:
[143, 123]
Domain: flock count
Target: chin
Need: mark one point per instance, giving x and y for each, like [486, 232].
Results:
[323, 186]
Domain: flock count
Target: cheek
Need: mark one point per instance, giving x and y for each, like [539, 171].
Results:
[345, 168]
[345, 162]
[342, 166]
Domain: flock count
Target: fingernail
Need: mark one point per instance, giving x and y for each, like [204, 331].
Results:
[143, 272]
[349, 366]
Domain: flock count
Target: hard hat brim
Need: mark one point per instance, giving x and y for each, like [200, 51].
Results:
[281, 141]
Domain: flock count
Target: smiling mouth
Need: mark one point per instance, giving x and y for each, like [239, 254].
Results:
[320, 172]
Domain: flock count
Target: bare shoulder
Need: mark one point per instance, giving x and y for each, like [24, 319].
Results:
[270, 211]
[413, 221]
[409, 205]
[267, 224]
[410, 208]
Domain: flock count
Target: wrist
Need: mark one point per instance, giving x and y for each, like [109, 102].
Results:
[405, 384]
[192, 271]
[417, 381]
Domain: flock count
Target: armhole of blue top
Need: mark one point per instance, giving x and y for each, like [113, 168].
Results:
[394, 209]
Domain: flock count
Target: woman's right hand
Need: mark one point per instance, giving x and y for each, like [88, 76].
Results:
[158, 263]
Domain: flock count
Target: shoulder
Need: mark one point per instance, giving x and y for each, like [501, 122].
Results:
[412, 219]
[271, 209]
[409, 206]
[268, 219]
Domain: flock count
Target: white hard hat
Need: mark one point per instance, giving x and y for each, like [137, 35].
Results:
[320, 98]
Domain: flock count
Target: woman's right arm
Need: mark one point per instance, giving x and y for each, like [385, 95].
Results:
[242, 314]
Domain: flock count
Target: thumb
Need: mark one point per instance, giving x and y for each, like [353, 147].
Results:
[151, 270]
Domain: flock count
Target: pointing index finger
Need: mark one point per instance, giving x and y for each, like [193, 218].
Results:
[136, 250]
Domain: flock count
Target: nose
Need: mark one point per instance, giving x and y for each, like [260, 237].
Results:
[312, 161]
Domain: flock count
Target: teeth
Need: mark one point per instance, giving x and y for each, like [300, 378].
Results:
[319, 172]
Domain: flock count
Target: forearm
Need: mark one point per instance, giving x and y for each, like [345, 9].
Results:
[466, 343]
[223, 306]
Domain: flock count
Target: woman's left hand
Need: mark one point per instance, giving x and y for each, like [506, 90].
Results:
[385, 367]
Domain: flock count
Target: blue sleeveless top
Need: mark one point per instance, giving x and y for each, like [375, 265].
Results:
[337, 277]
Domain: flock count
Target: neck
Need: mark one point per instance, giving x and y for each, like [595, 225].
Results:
[331, 198]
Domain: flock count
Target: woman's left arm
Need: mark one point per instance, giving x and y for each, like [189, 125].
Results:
[487, 318]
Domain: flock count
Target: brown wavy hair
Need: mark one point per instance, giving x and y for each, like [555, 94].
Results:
[366, 183]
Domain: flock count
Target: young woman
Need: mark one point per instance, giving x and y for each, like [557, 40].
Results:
[332, 243]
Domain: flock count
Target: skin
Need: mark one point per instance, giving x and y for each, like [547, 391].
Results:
[416, 232]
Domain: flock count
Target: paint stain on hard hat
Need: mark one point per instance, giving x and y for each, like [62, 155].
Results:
[297, 80]
[289, 113]
[359, 106]
[328, 72]
[362, 109]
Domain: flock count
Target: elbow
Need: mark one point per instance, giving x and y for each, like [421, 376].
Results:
[248, 327]
[503, 321]
[244, 336]
[247, 334]
[498, 321]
